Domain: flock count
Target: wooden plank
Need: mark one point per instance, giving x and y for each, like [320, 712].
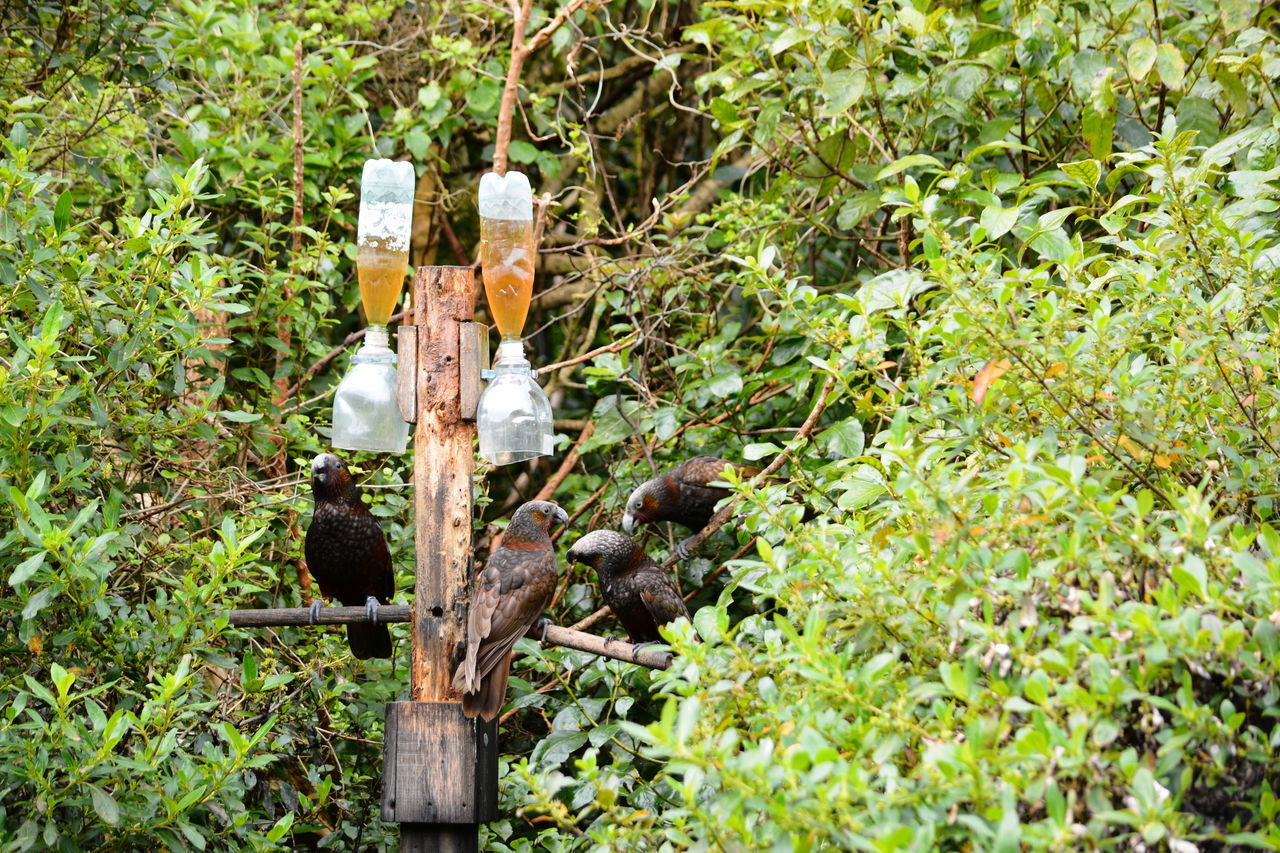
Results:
[473, 356]
[407, 372]
[486, 770]
[438, 838]
[430, 765]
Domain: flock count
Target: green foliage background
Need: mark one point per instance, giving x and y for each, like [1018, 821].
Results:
[1028, 248]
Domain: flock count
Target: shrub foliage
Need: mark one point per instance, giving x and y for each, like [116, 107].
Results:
[1019, 588]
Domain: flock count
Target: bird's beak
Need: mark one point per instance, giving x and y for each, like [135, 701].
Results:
[628, 523]
[572, 555]
[562, 516]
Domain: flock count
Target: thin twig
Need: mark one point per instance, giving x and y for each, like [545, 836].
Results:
[320, 365]
[549, 488]
[614, 347]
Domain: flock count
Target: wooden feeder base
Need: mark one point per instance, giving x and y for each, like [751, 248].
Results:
[438, 838]
[439, 767]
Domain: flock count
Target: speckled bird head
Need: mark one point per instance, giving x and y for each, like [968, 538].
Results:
[603, 549]
[536, 514]
[646, 502]
[329, 477]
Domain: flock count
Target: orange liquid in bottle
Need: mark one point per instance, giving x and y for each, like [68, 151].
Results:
[381, 274]
[506, 260]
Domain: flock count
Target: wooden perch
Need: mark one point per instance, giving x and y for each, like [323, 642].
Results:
[556, 635]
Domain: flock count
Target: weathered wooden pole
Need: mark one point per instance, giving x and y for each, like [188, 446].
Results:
[440, 771]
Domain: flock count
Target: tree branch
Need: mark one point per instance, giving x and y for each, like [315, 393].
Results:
[520, 51]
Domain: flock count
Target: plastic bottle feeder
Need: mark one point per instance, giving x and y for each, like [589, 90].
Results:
[514, 415]
[366, 412]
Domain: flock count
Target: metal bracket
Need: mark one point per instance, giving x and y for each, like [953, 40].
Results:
[489, 374]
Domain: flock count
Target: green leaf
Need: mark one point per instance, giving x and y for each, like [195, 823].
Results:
[1098, 130]
[752, 452]
[241, 417]
[1170, 66]
[789, 38]
[725, 384]
[862, 486]
[1198, 114]
[62, 212]
[612, 427]
[27, 568]
[1237, 14]
[845, 439]
[1009, 832]
[554, 749]
[281, 828]
[842, 89]
[105, 805]
[857, 208]
[52, 322]
[1191, 576]
[724, 111]
[522, 152]
[1087, 172]
[892, 289]
[998, 220]
[904, 163]
[1141, 57]
[38, 602]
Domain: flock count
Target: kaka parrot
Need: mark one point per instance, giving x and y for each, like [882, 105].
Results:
[510, 594]
[641, 595]
[347, 554]
[683, 495]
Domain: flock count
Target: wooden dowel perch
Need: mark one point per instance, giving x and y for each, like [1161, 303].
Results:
[556, 635]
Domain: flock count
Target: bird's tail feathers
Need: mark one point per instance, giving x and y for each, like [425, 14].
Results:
[369, 641]
[488, 700]
[465, 679]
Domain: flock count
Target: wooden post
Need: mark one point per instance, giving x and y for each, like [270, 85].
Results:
[440, 771]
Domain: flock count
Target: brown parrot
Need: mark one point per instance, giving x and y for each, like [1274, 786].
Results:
[684, 496]
[641, 595]
[347, 554]
[511, 592]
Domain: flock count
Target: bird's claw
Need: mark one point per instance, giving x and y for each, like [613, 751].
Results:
[638, 647]
[371, 609]
[313, 612]
[545, 623]
[682, 551]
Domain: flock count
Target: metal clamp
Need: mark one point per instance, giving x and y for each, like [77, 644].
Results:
[488, 374]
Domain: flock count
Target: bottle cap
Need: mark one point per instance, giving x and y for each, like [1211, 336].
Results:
[506, 196]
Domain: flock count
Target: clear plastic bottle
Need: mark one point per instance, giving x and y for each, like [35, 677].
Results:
[514, 415]
[366, 408]
[506, 249]
[382, 236]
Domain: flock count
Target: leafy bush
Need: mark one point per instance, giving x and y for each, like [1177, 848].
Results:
[1018, 257]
